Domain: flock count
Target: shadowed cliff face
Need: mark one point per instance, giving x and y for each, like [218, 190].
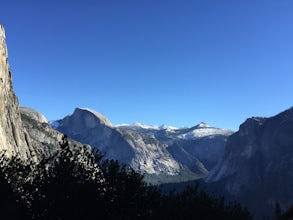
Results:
[13, 137]
[257, 166]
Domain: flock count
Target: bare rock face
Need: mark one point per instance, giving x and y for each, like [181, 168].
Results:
[13, 137]
[257, 165]
[141, 151]
[45, 139]
[37, 116]
[88, 127]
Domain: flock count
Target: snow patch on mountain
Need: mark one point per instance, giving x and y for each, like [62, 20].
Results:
[198, 131]
[137, 126]
[204, 131]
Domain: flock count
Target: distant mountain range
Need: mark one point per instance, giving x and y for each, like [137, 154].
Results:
[162, 153]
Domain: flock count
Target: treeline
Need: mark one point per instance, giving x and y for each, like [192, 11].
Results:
[79, 184]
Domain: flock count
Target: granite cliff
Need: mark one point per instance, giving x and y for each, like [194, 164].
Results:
[13, 137]
[45, 139]
[257, 164]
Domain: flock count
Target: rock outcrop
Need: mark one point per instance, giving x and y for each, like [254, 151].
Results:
[90, 127]
[45, 139]
[13, 137]
[33, 114]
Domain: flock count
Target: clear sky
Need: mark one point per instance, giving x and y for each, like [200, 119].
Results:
[173, 62]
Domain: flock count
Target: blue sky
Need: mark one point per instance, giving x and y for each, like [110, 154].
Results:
[171, 62]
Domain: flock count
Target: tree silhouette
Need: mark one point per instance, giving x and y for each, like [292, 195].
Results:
[76, 183]
[278, 211]
[69, 187]
[11, 204]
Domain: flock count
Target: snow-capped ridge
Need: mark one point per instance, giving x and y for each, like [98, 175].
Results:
[199, 132]
[185, 133]
[166, 127]
[203, 130]
[202, 125]
[138, 125]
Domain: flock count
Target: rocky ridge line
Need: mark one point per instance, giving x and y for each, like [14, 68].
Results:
[14, 140]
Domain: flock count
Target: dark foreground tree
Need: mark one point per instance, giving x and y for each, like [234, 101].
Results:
[196, 203]
[129, 197]
[12, 205]
[77, 184]
[288, 215]
[70, 187]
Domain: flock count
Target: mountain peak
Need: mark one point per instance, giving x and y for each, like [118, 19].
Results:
[202, 125]
[138, 125]
[167, 127]
[144, 126]
[99, 116]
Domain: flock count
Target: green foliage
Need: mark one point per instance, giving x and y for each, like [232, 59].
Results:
[76, 183]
